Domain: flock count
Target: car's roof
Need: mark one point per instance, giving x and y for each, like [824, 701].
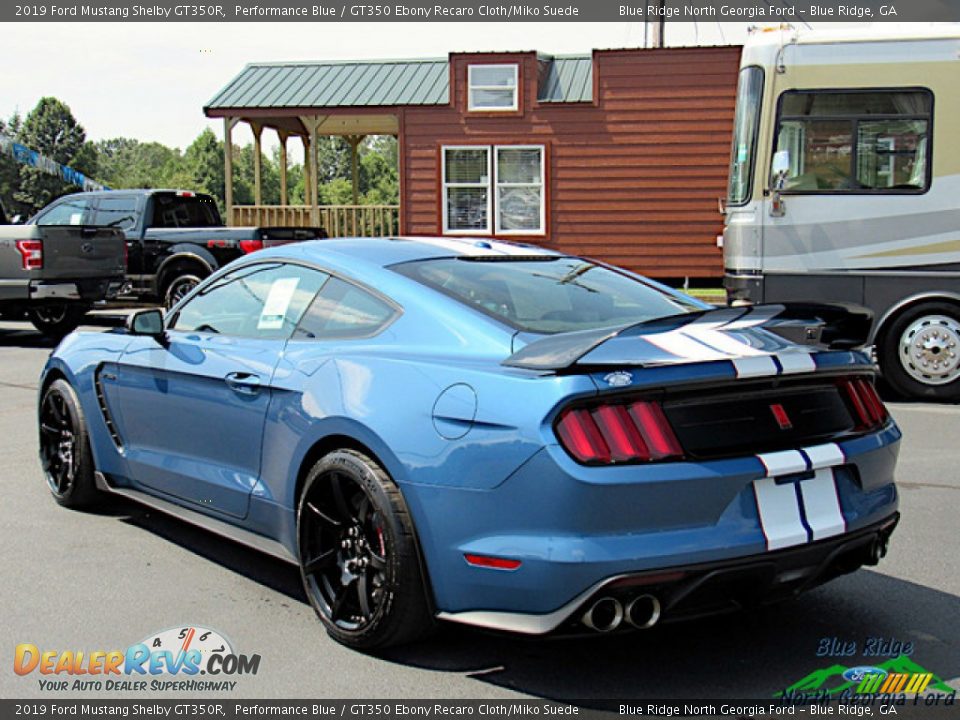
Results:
[384, 251]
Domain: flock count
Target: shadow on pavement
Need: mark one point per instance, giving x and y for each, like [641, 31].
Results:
[24, 335]
[753, 654]
[12, 336]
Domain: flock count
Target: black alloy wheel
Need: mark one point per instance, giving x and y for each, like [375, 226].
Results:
[358, 558]
[65, 447]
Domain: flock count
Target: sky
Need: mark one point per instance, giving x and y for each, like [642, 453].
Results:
[150, 80]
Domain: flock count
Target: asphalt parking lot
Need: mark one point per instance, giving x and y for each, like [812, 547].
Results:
[104, 581]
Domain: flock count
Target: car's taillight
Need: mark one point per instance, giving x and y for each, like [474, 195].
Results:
[31, 254]
[616, 433]
[249, 246]
[868, 409]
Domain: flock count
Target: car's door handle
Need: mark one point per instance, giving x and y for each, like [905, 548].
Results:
[244, 383]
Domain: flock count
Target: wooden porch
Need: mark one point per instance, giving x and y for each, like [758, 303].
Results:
[336, 220]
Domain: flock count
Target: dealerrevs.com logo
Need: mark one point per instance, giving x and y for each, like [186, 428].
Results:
[173, 659]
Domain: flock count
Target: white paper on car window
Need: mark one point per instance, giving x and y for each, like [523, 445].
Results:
[76, 218]
[278, 300]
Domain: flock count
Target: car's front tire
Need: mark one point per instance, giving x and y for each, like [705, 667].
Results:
[65, 453]
[358, 554]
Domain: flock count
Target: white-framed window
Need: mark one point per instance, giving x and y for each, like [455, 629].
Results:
[494, 188]
[492, 87]
[519, 176]
[466, 189]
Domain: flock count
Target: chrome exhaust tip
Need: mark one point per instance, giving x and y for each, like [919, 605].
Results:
[643, 612]
[604, 615]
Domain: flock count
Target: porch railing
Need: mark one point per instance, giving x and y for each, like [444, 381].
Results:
[337, 220]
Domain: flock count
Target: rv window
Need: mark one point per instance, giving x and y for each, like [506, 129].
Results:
[746, 121]
[855, 141]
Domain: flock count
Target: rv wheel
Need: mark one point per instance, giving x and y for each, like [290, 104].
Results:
[920, 353]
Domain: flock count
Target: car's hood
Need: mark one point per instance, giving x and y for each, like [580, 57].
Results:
[721, 334]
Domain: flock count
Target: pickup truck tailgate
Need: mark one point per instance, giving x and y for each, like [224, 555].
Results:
[72, 252]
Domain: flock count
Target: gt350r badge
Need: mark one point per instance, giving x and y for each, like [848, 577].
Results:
[620, 378]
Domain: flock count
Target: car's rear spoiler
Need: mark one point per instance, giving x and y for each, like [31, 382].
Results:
[832, 326]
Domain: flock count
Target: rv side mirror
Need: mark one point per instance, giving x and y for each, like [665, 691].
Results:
[780, 167]
[147, 322]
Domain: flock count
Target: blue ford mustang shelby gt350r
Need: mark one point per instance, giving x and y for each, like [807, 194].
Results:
[487, 433]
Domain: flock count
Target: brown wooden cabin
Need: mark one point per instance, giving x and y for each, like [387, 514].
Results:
[620, 155]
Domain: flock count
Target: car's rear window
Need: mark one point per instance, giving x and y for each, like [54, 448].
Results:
[171, 210]
[546, 295]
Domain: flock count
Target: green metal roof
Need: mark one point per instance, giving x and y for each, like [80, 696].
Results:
[568, 79]
[378, 83]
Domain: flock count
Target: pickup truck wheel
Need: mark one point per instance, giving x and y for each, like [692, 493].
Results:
[57, 319]
[179, 287]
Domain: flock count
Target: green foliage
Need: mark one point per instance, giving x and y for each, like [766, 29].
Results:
[124, 162]
[51, 130]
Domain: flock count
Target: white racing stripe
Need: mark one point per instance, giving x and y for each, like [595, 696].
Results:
[822, 456]
[779, 513]
[783, 463]
[760, 366]
[682, 345]
[821, 505]
[712, 334]
[796, 362]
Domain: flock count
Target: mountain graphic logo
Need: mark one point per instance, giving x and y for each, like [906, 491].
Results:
[897, 675]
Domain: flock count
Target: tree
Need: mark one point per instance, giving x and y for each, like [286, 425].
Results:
[10, 170]
[204, 161]
[128, 163]
[51, 130]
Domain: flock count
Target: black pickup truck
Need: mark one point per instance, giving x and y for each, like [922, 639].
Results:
[175, 238]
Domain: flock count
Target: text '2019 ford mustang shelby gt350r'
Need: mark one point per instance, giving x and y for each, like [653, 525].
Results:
[487, 433]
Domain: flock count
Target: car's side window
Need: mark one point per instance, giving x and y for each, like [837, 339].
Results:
[72, 211]
[342, 311]
[265, 300]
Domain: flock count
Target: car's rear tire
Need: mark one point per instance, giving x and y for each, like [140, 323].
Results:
[56, 319]
[920, 352]
[358, 554]
[65, 453]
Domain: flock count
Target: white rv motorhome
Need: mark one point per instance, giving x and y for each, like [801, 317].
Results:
[845, 187]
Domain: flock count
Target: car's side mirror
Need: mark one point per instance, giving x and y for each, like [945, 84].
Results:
[149, 323]
[17, 220]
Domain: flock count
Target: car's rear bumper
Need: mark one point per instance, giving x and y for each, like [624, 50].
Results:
[575, 528]
[83, 290]
[691, 591]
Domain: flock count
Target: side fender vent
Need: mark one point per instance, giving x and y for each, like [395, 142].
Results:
[105, 410]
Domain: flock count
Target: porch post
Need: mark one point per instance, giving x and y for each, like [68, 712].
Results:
[314, 197]
[355, 141]
[306, 168]
[283, 135]
[228, 123]
[257, 169]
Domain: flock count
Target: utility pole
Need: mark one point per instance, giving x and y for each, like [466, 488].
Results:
[654, 31]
